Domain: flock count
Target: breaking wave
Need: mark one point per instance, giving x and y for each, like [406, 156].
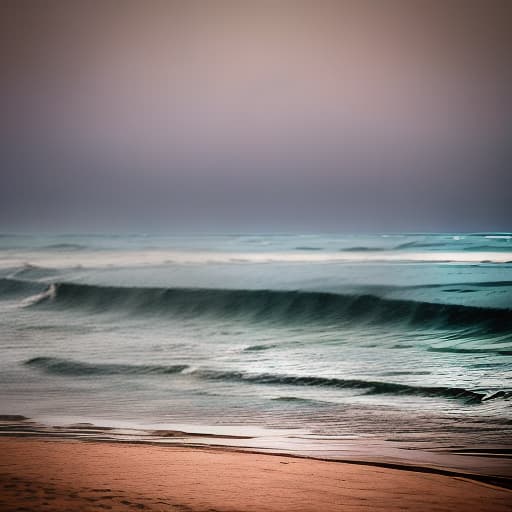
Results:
[58, 366]
[279, 306]
[65, 247]
[367, 387]
[66, 367]
[12, 288]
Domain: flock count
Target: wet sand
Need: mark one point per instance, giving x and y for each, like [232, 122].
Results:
[66, 475]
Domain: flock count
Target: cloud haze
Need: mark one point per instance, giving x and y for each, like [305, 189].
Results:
[319, 115]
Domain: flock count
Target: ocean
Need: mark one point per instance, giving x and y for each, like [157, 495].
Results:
[392, 346]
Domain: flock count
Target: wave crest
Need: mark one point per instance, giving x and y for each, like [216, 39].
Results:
[368, 387]
[67, 367]
[58, 366]
[281, 306]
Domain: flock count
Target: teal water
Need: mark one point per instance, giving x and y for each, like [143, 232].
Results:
[403, 338]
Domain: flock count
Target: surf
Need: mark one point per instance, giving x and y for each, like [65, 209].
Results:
[59, 366]
[71, 368]
[281, 306]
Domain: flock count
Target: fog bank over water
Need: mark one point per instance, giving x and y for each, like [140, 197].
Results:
[255, 116]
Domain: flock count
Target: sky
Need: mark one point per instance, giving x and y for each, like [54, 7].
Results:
[383, 115]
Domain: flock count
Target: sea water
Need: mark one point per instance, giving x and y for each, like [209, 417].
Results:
[403, 338]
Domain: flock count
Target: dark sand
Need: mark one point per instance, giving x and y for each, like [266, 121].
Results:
[66, 475]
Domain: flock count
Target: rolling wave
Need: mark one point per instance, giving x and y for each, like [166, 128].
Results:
[368, 387]
[11, 288]
[363, 249]
[419, 244]
[263, 346]
[59, 366]
[488, 247]
[64, 247]
[465, 350]
[280, 306]
[66, 367]
[301, 400]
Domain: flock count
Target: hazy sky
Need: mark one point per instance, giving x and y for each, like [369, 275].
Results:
[256, 115]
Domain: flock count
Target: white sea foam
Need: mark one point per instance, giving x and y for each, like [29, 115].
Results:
[39, 297]
[129, 258]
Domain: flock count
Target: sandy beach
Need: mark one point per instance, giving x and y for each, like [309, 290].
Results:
[57, 475]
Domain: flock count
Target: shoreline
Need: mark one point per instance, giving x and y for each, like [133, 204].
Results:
[63, 474]
[21, 427]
